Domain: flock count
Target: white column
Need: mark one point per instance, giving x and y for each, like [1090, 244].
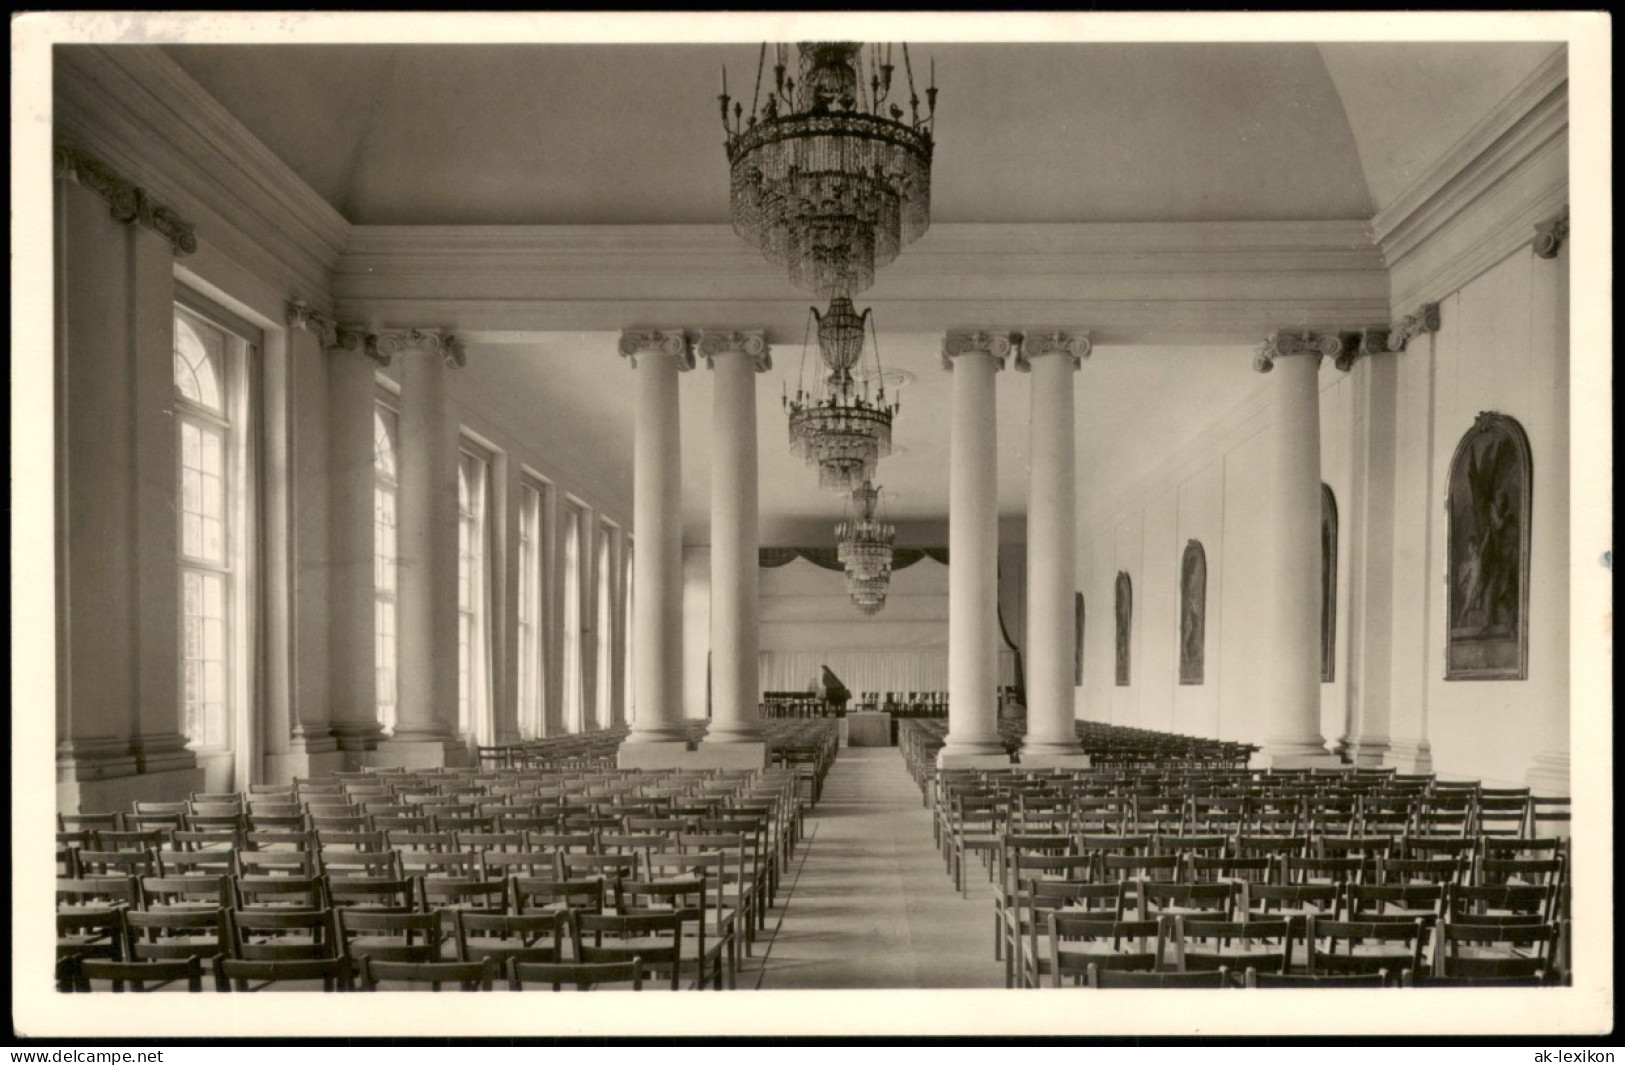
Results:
[1052, 359]
[426, 707]
[351, 651]
[973, 545]
[735, 359]
[1375, 376]
[1551, 547]
[657, 357]
[1291, 637]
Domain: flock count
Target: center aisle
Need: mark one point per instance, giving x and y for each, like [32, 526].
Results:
[867, 902]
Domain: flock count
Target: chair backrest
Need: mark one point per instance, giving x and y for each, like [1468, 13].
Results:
[1264, 945]
[238, 974]
[194, 892]
[1109, 979]
[97, 891]
[1372, 936]
[531, 937]
[142, 975]
[653, 938]
[413, 937]
[318, 935]
[466, 975]
[1104, 942]
[177, 934]
[1254, 978]
[582, 976]
[1497, 951]
[1154, 897]
[440, 892]
[532, 894]
[394, 893]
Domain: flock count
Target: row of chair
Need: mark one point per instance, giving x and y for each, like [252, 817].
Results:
[1390, 949]
[254, 950]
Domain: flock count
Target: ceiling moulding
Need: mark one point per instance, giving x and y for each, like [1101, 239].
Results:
[136, 108]
[1479, 202]
[1162, 282]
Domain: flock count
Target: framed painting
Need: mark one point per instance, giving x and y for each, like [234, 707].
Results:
[1192, 613]
[1487, 512]
[1125, 615]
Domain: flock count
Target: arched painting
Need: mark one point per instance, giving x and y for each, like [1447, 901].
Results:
[1192, 613]
[1125, 613]
[1328, 585]
[1487, 515]
[1077, 635]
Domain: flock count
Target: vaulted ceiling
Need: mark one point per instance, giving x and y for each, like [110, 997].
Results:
[506, 135]
[1065, 132]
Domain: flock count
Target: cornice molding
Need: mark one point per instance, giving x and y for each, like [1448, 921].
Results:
[1425, 319]
[752, 343]
[977, 342]
[126, 201]
[1529, 116]
[1551, 236]
[134, 107]
[672, 343]
[1075, 346]
[1476, 205]
[1155, 282]
[1284, 343]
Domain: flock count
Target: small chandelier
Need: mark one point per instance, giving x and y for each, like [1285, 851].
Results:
[836, 423]
[868, 594]
[863, 544]
[827, 175]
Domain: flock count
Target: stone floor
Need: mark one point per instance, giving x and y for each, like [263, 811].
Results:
[867, 902]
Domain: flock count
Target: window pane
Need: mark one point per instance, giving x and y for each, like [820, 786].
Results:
[213, 542]
[212, 443]
[192, 535]
[213, 597]
[199, 353]
[191, 448]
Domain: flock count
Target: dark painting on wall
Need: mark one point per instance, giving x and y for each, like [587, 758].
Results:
[1192, 613]
[1487, 544]
[1077, 635]
[1125, 613]
[1328, 585]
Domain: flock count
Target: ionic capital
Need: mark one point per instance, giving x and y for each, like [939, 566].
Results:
[1550, 236]
[975, 343]
[1074, 345]
[670, 342]
[127, 202]
[1424, 320]
[392, 342]
[751, 343]
[1283, 343]
[1372, 341]
[334, 337]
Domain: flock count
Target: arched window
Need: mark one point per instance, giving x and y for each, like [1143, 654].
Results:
[1077, 636]
[1488, 512]
[199, 352]
[1125, 616]
[1328, 585]
[1192, 613]
[385, 500]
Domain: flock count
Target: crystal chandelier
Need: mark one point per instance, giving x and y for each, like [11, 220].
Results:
[863, 544]
[827, 176]
[868, 594]
[836, 422]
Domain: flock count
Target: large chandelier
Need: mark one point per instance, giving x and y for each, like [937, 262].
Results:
[863, 544]
[827, 176]
[837, 423]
